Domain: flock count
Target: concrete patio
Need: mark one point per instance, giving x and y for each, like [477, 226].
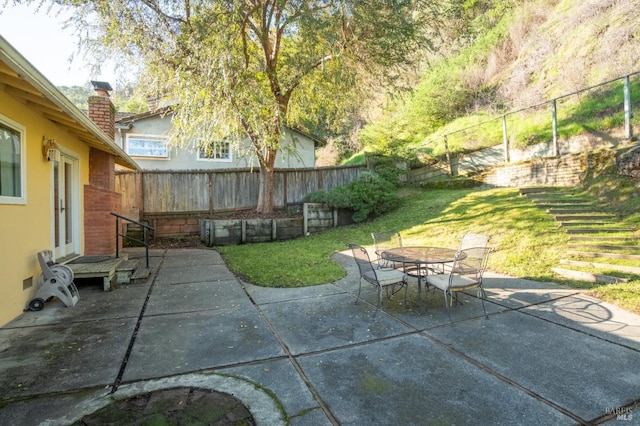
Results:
[310, 356]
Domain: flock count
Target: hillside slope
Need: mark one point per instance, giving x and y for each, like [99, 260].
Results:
[528, 53]
[561, 48]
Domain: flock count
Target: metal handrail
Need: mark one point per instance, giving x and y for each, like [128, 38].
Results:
[146, 228]
[552, 102]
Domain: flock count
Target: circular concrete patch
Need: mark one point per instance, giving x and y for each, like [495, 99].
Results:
[173, 406]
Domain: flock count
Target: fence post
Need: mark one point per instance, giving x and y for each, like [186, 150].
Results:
[211, 194]
[505, 139]
[554, 127]
[627, 108]
[448, 154]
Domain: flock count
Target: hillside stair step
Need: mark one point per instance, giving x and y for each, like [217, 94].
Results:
[600, 238]
[598, 230]
[587, 276]
[578, 215]
[569, 210]
[560, 200]
[587, 223]
[606, 266]
[557, 196]
[602, 254]
[565, 218]
[604, 246]
[584, 208]
[538, 189]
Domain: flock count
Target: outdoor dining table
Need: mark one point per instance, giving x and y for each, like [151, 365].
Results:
[421, 257]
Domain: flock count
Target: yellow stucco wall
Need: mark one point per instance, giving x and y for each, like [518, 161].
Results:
[26, 229]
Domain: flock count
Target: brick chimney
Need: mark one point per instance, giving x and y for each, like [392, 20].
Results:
[101, 109]
[100, 198]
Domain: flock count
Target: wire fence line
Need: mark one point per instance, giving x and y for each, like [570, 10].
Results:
[536, 131]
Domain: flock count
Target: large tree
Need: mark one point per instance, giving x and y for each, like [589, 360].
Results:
[245, 69]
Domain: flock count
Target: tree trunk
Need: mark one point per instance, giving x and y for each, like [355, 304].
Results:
[267, 177]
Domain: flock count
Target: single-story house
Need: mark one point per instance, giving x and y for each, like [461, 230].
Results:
[57, 178]
[146, 138]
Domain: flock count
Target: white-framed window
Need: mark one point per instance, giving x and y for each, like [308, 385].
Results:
[147, 146]
[214, 151]
[13, 164]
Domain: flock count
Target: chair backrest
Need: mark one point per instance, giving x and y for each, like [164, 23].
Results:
[363, 260]
[385, 240]
[471, 262]
[470, 240]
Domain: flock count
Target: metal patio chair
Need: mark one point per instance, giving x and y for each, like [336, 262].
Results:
[383, 241]
[469, 240]
[466, 274]
[391, 280]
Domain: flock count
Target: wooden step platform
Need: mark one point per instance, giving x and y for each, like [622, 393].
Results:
[97, 267]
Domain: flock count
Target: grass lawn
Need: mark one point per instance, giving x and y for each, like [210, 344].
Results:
[528, 242]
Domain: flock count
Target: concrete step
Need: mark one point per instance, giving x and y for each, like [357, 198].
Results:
[602, 254]
[606, 266]
[125, 270]
[587, 276]
[141, 273]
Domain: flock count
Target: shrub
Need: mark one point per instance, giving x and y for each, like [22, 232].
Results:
[368, 196]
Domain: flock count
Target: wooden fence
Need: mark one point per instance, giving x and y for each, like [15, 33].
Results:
[185, 196]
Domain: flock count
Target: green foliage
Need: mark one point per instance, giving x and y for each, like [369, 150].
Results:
[457, 183]
[358, 158]
[448, 90]
[527, 240]
[496, 60]
[124, 99]
[369, 196]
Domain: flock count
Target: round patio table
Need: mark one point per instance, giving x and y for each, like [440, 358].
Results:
[422, 257]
